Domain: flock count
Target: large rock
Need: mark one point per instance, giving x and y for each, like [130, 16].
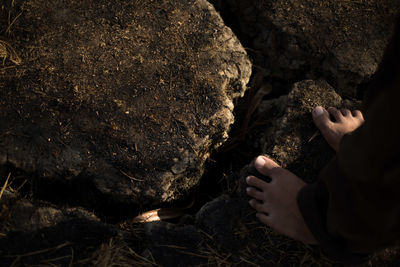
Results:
[34, 232]
[132, 95]
[293, 139]
[341, 41]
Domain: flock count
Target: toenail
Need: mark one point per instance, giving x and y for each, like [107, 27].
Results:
[260, 162]
[318, 111]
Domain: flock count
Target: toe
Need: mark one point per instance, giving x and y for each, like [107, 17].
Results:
[256, 182]
[345, 112]
[258, 206]
[357, 114]
[265, 166]
[321, 118]
[335, 113]
[263, 218]
[254, 193]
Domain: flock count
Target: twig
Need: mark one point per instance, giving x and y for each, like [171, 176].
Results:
[23, 183]
[12, 54]
[72, 258]
[208, 235]
[8, 31]
[141, 257]
[42, 250]
[56, 259]
[6, 68]
[313, 136]
[173, 246]
[130, 177]
[194, 254]
[5, 185]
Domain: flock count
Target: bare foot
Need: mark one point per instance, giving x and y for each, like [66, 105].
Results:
[276, 202]
[345, 122]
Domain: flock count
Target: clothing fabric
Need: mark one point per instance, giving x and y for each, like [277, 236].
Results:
[353, 209]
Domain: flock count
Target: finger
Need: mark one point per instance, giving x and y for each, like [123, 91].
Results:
[254, 193]
[256, 182]
[265, 166]
[335, 113]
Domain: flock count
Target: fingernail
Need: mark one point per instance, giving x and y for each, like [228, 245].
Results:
[318, 111]
[247, 189]
[260, 162]
[248, 179]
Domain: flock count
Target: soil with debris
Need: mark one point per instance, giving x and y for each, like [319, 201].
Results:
[304, 53]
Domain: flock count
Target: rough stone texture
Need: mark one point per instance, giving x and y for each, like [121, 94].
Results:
[39, 232]
[22, 215]
[19, 214]
[341, 41]
[130, 94]
[291, 138]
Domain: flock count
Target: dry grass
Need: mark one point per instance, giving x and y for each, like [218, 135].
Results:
[47, 262]
[11, 23]
[8, 52]
[264, 247]
[259, 245]
[116, 253]
[13, 184]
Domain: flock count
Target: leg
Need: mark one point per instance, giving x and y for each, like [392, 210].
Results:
[276, 202]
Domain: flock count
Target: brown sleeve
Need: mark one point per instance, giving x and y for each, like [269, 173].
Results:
[313, 201]
[354, 207]
[364, 201]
